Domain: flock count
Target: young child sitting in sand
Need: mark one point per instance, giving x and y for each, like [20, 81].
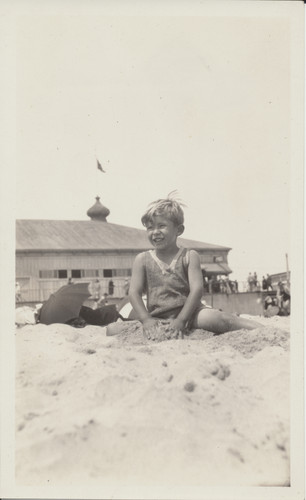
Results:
[172, 279]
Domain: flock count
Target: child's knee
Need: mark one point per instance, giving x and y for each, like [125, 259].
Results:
[211, 320]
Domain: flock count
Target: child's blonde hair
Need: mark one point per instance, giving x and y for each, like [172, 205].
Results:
[171, 207]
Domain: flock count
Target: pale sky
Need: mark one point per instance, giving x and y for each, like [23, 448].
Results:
[199, 103]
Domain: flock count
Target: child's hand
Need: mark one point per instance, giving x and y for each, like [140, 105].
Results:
[177, 327]
[150, 326]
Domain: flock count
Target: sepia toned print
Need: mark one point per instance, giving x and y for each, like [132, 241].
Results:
[157, 355]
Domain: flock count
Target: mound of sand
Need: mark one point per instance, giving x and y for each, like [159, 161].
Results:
[203, 410]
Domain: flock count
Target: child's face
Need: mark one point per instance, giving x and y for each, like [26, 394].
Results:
[163, 232]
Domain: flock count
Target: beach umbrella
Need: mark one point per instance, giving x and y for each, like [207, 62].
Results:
[64, 304]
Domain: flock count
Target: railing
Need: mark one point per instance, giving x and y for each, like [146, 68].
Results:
[232, 287]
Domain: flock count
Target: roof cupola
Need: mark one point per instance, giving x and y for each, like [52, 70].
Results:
[98, 211]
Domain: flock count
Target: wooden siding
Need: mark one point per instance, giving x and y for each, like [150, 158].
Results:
[29, 264]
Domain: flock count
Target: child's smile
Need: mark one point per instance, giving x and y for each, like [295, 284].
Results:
[162, 233]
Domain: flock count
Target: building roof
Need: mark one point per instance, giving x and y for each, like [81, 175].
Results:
[93, 235]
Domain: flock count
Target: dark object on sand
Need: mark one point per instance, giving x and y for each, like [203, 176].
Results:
[64, 304]
[101, 316]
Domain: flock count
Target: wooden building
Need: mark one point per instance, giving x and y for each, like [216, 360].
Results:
[284, 277]
[49, 252]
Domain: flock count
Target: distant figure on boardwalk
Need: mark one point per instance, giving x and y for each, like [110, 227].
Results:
[255, 281]
[111, 287]
[227, 285]
[250, 280]
[222, 285]
[17, 292]
[97, 290]
[70, 282]
[264, 283]
[126, 286]
[269, 282]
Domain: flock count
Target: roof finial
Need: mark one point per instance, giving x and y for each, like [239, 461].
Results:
[98, 211]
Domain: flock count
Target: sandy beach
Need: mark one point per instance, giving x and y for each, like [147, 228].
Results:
[201, 411]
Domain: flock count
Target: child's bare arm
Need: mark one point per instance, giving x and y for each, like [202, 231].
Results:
[136, 290]
[135, 295]
[196, 288]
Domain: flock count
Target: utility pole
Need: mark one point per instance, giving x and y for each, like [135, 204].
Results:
[287, 270]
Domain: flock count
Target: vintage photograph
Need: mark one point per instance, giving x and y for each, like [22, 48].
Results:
[156, 269]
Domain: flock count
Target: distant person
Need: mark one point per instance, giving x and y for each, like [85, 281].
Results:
[255, 281]
[216, 285]
[269, 282]
[97, 290]
[103, 301]
[270, 306]
[210, 285]
[283, 297]
[70, 282]
[126, 286]
[227, 286]
[268, 301]
[17, 292]
[250, 280]
[205, 284]
[222, 285]
[264, 283]
[172, 279]
[111, 287]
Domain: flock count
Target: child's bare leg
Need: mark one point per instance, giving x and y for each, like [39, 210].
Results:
[220, 322]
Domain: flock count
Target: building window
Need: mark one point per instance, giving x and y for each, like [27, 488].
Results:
[122, 272]
[218, 258]
[90, 273]
[84, 273]
[53, 273]
[76, 273]
[47, 273]
[116, 273]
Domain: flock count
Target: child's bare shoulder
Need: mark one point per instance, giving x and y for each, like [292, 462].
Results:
[192, 254]
[140, 258]
[192, 251]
